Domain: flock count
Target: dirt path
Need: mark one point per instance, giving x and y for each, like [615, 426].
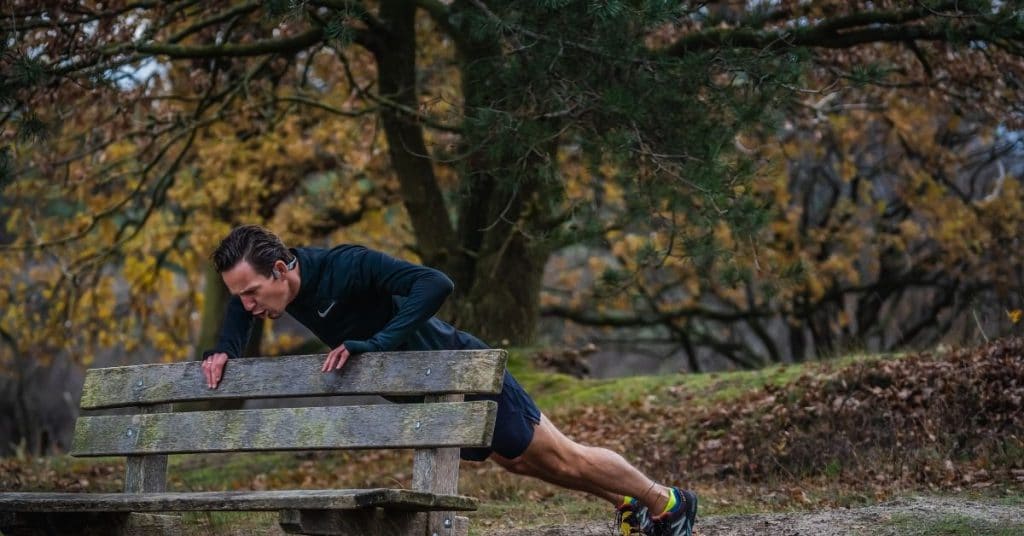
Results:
[919, 515]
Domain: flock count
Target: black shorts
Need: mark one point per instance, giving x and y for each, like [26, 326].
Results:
[513, 427]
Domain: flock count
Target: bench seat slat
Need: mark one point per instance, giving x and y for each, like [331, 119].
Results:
[392, 373]
[450, 424]
[340, 499]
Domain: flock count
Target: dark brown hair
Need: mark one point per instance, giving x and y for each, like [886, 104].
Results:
[253, 244]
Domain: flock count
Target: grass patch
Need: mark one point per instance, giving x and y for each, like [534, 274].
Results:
[554, 391]
[221, 472]
[557, 509]
[951, 525]
[230, 523]
[1012, 499]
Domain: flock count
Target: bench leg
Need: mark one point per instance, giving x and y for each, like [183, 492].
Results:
[89, 524]
[360, 522]
[446, 524]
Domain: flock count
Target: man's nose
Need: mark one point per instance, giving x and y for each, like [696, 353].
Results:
[248, 303]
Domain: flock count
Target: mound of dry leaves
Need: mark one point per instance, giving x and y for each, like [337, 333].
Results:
[954, 420]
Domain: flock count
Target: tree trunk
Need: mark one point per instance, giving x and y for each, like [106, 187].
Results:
[215, 300]
[496, 267]
[503, 304]
[421, 195]
[504, 216]
[797, 344]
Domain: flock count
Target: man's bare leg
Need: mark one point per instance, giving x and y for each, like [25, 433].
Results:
[518, 466]
[555, 458]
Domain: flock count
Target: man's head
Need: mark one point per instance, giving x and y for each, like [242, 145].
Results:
[256, 266]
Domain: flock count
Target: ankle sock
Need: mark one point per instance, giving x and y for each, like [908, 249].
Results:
[674, 501]
[627, 502]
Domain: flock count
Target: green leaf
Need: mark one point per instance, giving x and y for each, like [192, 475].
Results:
[339, 31]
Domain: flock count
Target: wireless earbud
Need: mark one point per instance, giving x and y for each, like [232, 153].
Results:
[290, 266]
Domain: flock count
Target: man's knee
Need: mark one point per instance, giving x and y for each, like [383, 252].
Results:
[518, 465]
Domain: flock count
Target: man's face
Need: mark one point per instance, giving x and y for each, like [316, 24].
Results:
[264, 297]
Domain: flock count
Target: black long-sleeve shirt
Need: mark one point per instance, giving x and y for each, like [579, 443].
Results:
[364, 299]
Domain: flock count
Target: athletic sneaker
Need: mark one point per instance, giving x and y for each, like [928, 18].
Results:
[680, 519]
[631, 517]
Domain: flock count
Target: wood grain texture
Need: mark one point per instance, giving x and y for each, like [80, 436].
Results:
[343, 427]
[147, 473]
[341, 499]
[437, 471]
[392, 373]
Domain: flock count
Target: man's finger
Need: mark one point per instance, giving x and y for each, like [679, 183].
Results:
[218, 370]
[329, 362]
[206, 373]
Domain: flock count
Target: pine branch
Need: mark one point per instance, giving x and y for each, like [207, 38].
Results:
[356, 8]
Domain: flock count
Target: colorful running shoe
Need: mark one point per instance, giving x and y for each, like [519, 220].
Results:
[680, 519]
[631, 517]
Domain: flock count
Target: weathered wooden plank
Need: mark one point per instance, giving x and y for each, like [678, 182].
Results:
[461, 526]
[147, 473]
[437, 471]
[343, 427]
[392, 373]
[375, 521]
[89, 524]
[341, 499]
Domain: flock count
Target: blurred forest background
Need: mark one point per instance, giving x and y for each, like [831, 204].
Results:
[696, 185]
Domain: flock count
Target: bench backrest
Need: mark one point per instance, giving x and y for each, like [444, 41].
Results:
[436, 428]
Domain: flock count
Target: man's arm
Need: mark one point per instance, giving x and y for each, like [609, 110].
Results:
[425, 290]
[234, 335]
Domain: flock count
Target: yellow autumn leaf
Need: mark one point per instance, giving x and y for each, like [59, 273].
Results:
[1014, 315]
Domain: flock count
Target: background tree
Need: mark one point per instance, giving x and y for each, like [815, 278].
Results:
[136, 133]
[894, 187]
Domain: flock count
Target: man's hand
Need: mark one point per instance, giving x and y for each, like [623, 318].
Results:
[213, 368]
[336, 359]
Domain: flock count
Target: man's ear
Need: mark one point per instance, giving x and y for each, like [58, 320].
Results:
[279, 266]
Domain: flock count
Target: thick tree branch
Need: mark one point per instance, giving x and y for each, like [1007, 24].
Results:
[271, 46]
[824, 35]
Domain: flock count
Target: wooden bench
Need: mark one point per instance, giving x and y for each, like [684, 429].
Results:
[435, 428]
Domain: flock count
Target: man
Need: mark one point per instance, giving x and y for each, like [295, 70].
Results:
[358, 300]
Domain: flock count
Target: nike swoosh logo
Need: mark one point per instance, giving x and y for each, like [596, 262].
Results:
[325, 311]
